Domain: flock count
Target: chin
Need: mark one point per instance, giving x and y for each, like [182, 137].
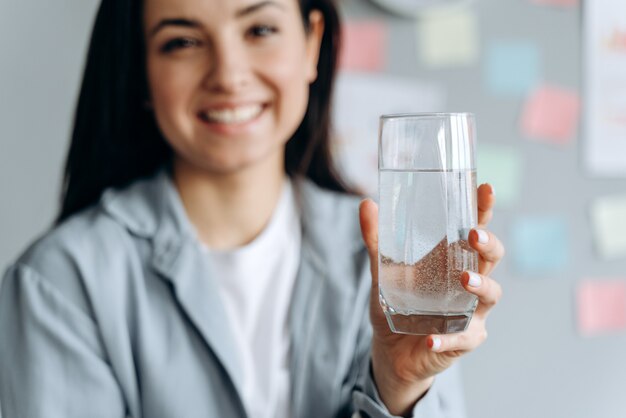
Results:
[230, 164]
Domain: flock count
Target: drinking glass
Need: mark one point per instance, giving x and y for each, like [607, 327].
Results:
[427, 206]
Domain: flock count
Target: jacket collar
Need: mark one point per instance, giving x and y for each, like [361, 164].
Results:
[151, 208]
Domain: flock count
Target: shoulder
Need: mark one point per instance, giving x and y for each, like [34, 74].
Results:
[335, 213]
[57, 261]
[92, 246]
[83, 234]
[321, 202]
[120, 217]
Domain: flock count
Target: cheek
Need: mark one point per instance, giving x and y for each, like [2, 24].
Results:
[173, 82]
[171, 88]
[289, 76]
[166, 87]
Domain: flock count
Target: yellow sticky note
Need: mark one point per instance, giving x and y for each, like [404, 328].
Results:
[608, 217]
[448, 39]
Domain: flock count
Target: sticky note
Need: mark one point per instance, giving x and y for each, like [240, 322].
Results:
[363, 46]
[512, 67]
[500, 166]
[551, 114]
[601, 306]
[539, 245]
[448, 39]
[608, 219]
[565, 3]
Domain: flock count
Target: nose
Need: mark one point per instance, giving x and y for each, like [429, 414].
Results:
[229, 70]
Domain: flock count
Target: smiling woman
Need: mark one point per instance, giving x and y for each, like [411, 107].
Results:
[207, 260]
[229, 88]
[116, 136]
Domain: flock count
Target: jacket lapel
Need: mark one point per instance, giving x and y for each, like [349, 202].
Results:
[179, 259]
[185, 266]
[152, 208]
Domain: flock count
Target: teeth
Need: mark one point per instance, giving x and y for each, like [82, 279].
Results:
[235, 115]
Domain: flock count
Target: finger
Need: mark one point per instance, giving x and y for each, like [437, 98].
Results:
[489, 247]
[368, 217]
[459, 342]
[486, 200]
[488, 291]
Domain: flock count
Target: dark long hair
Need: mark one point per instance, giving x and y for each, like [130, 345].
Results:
[116, 139]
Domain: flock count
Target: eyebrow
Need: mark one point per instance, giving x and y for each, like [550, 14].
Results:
[256, 6]
[192, 23]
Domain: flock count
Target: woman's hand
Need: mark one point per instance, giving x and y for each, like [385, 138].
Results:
[404, 365]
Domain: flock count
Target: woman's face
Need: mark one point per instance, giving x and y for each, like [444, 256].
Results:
[229, 79]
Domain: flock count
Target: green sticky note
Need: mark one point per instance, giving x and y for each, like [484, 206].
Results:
[501, 167]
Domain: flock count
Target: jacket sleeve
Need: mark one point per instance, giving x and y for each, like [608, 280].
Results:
[52, 363]
[444, 399]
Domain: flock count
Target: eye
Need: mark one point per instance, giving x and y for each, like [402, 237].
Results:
[179, 43]
[261, 31]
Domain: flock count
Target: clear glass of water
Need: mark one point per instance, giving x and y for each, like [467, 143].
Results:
[427, 206]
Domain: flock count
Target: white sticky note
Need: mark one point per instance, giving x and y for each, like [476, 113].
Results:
[448, 39]
[359, 101]
[608, 217]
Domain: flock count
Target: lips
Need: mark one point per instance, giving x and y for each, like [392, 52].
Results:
[231, 115]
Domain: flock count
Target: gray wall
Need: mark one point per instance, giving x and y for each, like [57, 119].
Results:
[534, 364]
[42, 46]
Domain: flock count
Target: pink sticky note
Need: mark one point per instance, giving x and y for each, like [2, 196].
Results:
[551, 114]
[557, 2]
[601, 306]
[363, 46]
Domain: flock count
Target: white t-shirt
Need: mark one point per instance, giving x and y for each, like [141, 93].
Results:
[255, 283]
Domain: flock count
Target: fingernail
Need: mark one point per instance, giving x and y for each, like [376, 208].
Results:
[474, 279]
[436, 344]
[483, 237]
[493, 189]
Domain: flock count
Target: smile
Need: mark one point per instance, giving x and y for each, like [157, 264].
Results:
[231, 116]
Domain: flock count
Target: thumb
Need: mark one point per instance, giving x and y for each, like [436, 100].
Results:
[368, 217]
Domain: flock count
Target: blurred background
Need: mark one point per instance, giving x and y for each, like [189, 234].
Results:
[547, 82]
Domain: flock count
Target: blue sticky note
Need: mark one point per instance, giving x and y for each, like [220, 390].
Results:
[512, 67]
[539, 245]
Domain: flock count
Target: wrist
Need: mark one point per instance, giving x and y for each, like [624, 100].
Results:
[397, 394]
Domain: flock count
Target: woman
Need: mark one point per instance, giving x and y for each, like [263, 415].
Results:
[207, 260]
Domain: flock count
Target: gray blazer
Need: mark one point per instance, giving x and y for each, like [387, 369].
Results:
[115, 313]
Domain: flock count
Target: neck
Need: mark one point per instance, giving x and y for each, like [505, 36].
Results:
[229, 210]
